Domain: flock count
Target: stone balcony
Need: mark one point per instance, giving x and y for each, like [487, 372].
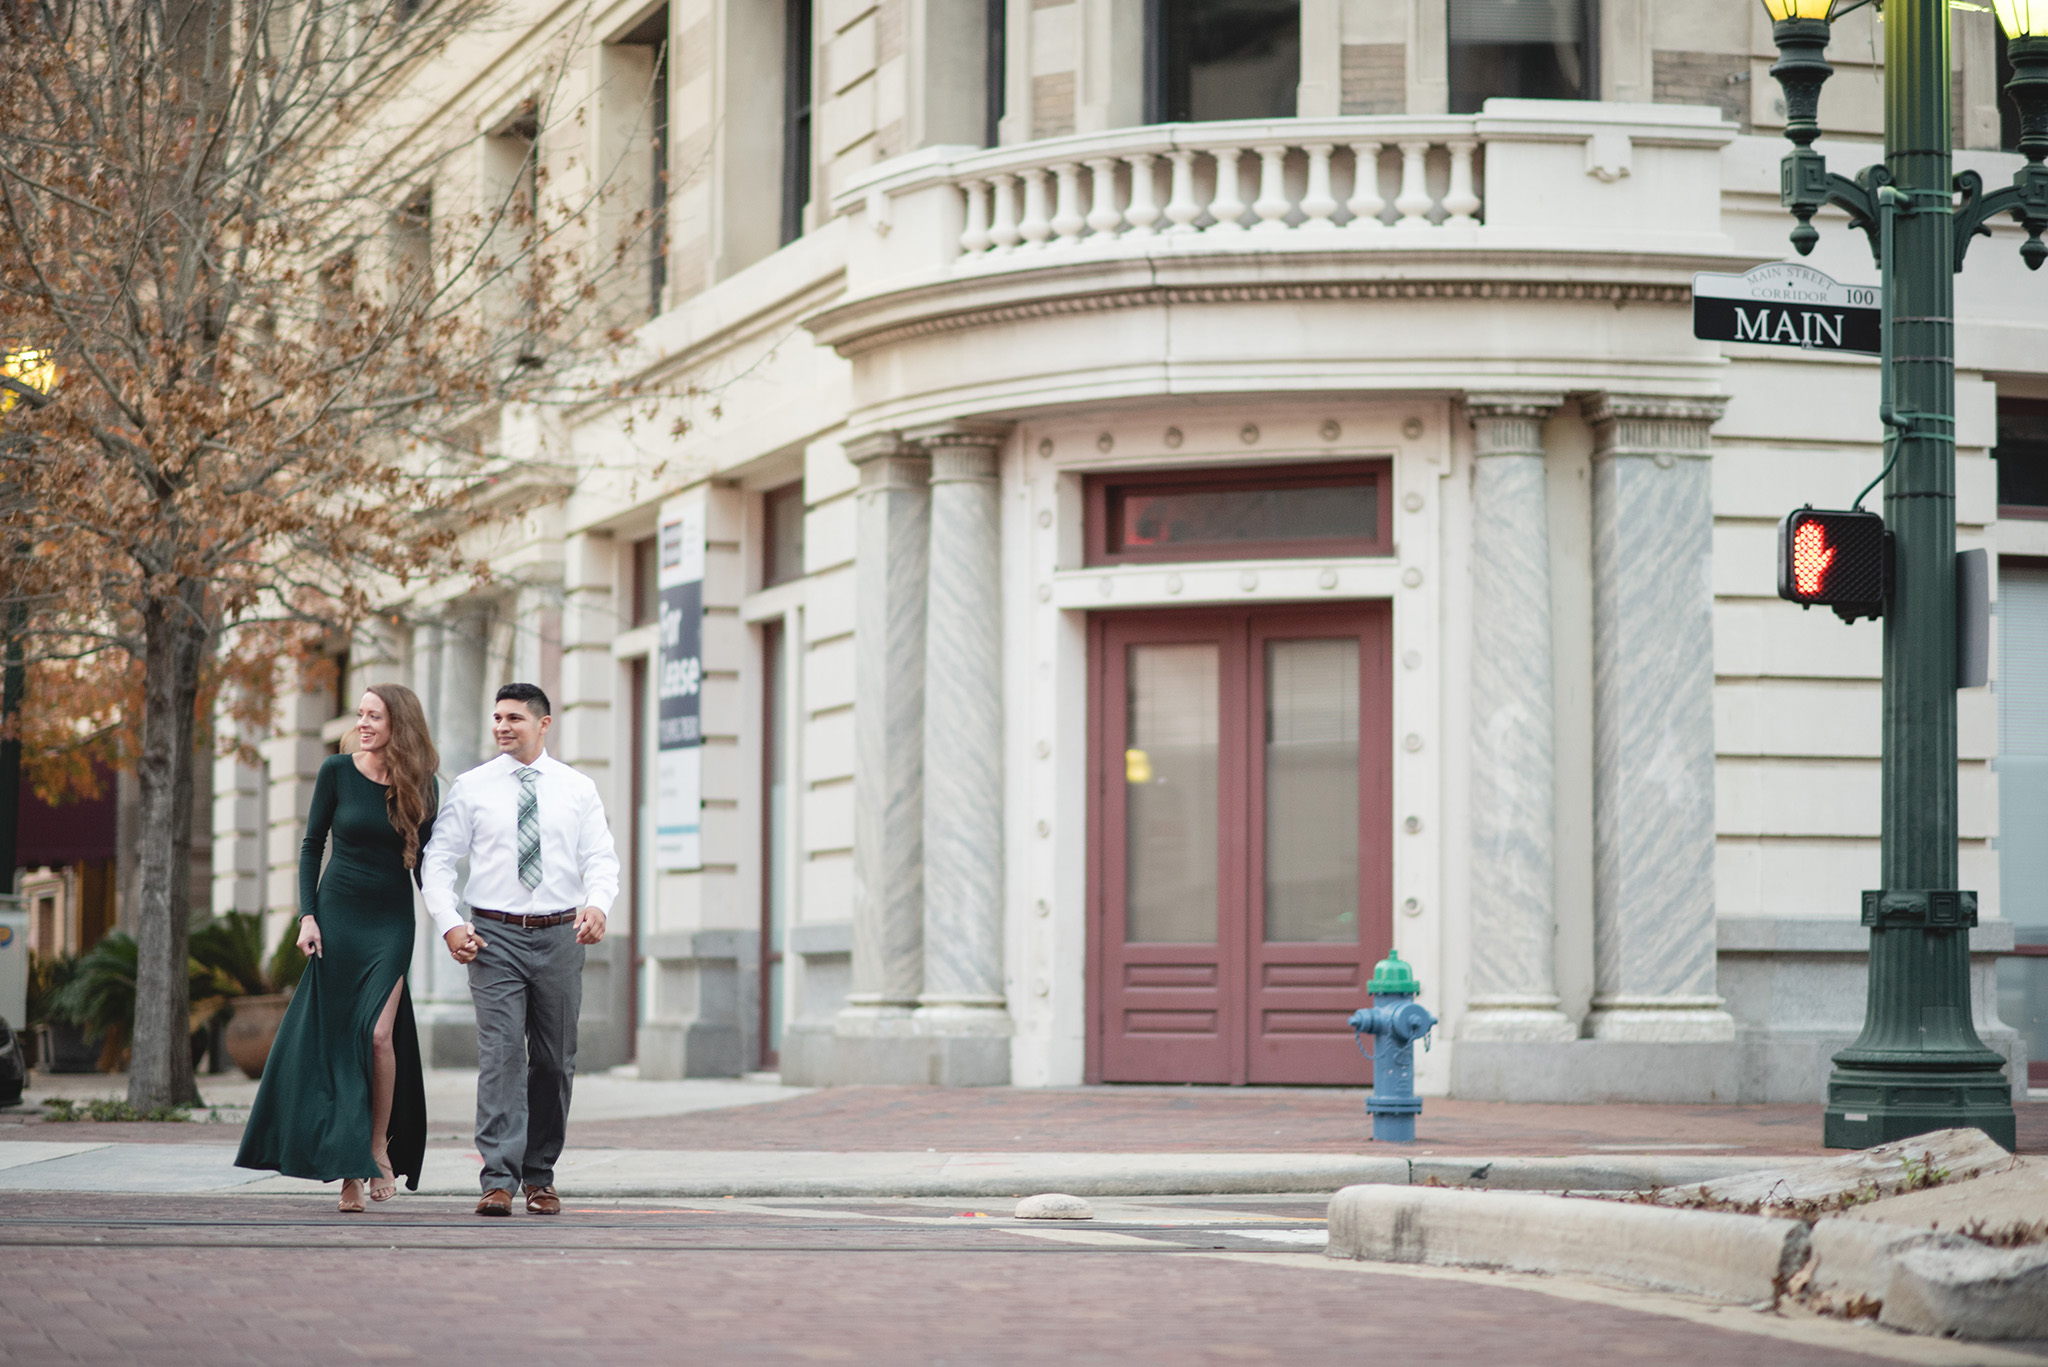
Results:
[1540, 200]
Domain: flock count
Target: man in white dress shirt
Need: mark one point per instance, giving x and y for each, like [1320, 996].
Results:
[542, 874]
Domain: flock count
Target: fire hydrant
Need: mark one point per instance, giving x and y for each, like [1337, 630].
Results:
[1395, 1021]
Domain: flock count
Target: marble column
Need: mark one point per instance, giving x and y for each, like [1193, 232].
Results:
[892, 529]
[1513, 979]
[441, 1006]
[1653, 727]
[962, 1005]
[462, 704]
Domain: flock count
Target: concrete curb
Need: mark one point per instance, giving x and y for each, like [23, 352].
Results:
[1741, 1258]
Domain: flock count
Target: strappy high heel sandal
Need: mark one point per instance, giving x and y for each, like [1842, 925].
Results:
[384, 1186]
[351, 1201]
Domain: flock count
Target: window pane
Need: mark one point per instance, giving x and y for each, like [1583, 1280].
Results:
[1312, 791]
[1170, 794]
[2022, 453]
[1231, 59]
[784, 558]
[1527, 49]
[1171, 518]
[646, 578]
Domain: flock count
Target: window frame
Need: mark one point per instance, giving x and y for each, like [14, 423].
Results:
[1100, 491]
[2018, 405]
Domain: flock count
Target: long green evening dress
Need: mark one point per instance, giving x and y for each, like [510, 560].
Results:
[312, 1111]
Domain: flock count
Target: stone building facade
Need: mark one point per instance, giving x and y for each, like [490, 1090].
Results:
[1179, 520]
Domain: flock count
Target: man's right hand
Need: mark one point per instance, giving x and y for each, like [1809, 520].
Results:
[463, 943]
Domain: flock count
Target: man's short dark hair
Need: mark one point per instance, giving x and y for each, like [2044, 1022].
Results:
[530, 695]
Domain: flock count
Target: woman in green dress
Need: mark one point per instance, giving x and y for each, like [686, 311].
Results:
[341, 1094]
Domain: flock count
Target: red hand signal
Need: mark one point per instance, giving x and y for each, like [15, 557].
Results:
[1811, 556]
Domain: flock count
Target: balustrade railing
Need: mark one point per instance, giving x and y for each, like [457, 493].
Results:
[1211, 183]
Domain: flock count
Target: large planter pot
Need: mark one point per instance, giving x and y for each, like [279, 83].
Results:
[66, 1048]
[253, 1029]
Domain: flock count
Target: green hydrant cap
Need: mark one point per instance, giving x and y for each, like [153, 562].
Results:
[1390, 975]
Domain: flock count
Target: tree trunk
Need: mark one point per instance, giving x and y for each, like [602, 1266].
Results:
[176, 635]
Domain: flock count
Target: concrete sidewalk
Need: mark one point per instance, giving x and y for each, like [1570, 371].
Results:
[190, 1168]
[451, 1094]
[754, 1137]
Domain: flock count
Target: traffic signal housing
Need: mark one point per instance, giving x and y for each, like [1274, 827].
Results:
[1841, 560]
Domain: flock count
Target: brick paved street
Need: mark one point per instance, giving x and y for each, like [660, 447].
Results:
[282, 1281]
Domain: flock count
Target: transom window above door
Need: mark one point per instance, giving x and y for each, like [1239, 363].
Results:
[1276, 512]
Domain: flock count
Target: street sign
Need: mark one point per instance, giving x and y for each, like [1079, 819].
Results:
[1787, 304]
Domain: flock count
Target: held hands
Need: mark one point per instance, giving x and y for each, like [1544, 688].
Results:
[589, 926]
[309, 937]
[463, 943]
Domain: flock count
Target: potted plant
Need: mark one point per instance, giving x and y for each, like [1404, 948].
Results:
[61, 1044]
[250, 992]
[100, 998]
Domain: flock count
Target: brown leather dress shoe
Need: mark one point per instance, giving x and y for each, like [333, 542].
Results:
[542, 1201]
[497, 1201]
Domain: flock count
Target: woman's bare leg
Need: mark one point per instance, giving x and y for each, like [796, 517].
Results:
[383, 1079]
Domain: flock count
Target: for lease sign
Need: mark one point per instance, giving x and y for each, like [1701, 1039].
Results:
[1787, 304]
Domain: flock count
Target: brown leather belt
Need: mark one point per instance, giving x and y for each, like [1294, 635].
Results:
[549, 918]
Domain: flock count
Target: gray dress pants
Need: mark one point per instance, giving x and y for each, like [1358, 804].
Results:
[527, 984]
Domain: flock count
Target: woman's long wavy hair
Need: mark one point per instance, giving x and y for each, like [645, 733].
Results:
[410, 762]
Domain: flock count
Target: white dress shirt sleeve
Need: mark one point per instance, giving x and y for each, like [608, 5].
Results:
[449, 843]
[596, 855]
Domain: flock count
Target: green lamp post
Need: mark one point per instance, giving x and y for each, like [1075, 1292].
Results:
[1918, 1065]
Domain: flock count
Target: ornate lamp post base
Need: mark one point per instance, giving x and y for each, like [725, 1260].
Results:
[1878, 1104]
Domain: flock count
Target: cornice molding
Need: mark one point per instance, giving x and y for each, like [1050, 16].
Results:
[1334, 291]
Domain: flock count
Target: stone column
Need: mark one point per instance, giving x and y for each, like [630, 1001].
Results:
[440, 987]
[1514, 922]
[892, 528]
[962, 1008]
[462, 704]
[1653, 720]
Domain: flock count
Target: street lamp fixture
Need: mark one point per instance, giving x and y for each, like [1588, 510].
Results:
[1918, 1064]
[1801, 29]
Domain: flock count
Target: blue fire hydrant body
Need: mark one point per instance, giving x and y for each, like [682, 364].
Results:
[1395, 1020]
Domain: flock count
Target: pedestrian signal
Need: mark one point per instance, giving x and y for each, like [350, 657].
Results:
[1840, 560]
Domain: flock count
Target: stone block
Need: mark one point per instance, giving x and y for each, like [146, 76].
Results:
[679, 1049]
[1586, 1071]
[1970, 1292]
[1054, 1205]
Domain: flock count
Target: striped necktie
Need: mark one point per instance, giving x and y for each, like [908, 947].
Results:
[529, 829]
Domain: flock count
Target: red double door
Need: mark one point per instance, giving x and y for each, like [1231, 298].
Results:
[1240, 824]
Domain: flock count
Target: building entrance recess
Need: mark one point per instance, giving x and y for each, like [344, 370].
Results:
[1240, 836]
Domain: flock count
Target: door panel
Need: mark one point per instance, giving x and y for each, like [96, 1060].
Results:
[1239, 826]
[1171, 722]
[1319, 795]
[1166, 861]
